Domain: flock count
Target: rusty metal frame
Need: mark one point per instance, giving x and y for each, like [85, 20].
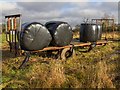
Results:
[107, 23]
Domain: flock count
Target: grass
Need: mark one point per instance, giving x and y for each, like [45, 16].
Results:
[98, 68]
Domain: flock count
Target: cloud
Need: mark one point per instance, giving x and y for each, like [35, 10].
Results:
[53, 0]
[62, 0]
[107, 0]
[40, 6]
[71, 12]
[8, 5]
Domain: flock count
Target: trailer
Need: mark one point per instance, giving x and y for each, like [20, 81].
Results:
[13, 27]
[65, 52]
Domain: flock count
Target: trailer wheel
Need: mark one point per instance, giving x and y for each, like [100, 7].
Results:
[66, 53]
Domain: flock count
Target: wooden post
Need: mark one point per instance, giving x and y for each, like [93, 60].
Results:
[6, 26]
[113, 27]
[106, 29]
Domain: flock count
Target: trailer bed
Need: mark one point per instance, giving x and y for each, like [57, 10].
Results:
[73, 44]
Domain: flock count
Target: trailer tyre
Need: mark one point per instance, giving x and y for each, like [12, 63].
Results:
[66, 53]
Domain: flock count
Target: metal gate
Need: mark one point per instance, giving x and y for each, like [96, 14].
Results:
[13, 26]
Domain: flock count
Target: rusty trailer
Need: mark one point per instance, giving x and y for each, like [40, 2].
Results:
[65, 52]
[13, 27]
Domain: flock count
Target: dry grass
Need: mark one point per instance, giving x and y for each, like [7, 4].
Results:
[98, 68]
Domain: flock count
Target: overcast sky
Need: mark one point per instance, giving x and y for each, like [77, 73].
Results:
[72, 12]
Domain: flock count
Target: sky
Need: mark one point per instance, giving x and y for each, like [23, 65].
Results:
[72, 11]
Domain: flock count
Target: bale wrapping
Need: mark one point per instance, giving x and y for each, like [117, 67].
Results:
[61, 33]
[34, 36]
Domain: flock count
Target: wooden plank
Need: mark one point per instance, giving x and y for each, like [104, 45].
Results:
[68, 46]
[8, 24]
[15, 23]
[53, 48]
[82, 44]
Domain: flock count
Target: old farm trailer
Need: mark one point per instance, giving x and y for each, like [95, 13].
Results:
[13, 27]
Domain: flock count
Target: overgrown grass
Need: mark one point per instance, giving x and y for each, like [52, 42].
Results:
[98, 68]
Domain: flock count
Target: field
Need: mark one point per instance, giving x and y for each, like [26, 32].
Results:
[99, 68]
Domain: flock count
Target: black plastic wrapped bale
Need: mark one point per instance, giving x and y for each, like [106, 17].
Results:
[61, 33]
[99, 27]
[88, 32]
[34, 36]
